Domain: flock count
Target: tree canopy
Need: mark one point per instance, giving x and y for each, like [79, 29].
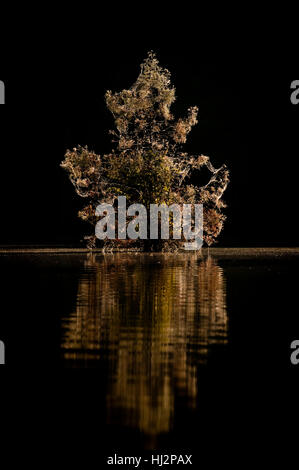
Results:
[147, 164]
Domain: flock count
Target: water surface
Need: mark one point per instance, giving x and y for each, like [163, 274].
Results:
[168, 338]
[152, 319]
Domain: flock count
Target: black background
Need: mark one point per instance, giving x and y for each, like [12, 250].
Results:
[55, 100]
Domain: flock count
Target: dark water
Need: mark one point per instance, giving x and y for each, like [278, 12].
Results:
[168, 349]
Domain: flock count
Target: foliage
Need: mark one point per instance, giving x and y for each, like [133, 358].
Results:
[148, 165]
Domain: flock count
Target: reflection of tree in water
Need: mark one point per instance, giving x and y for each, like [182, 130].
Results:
[153, 318]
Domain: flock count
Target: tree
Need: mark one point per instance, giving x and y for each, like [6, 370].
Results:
[148, 164]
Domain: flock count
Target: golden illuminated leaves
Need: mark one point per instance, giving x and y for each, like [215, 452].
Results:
[148, 165]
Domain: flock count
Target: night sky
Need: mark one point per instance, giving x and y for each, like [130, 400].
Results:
[55, 101]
